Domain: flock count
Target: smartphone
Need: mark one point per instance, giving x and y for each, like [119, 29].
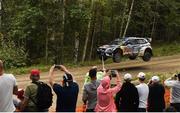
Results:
[57, 67]
[113, 73]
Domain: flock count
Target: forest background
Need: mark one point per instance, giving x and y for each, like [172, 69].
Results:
[43, 32]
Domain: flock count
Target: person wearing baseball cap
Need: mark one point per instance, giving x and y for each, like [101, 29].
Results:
[143, 91]
[67, 92]
[35, 75]
[127, 96]
[30, 93]
[156, 102]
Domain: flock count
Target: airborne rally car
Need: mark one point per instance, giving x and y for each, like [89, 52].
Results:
[131, 47]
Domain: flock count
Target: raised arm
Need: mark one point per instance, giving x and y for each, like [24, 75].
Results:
[169, 82]
[51, 75]
[64, 69]
[118, 83]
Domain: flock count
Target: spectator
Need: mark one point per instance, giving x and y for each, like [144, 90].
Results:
[143, 91]
[175, 91]
[105, 99]
[156, 102]
[90, 91]
[8, 87]
[127, 99]
[29, 104]
[67, 93]
[170, 109]
[99, 75]
[18, 99]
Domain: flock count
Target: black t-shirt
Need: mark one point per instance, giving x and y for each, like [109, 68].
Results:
[66, 97]
[127, 99]
[156, 100]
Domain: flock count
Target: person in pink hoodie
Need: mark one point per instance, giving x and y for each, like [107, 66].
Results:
[105, 94]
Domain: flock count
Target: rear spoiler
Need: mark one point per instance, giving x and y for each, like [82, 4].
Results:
[149, 39]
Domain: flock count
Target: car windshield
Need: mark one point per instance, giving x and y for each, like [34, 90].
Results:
[116, 42]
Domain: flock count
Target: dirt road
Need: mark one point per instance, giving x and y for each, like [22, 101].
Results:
[159, 64]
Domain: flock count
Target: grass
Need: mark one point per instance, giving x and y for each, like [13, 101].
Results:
[160, 49]
[25, 70]
[166, 49]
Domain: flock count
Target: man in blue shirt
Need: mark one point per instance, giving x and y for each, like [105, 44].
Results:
[67, 93]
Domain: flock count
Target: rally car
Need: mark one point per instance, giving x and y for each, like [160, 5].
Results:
[131, 47]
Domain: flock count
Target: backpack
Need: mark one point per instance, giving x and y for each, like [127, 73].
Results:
[44, 96]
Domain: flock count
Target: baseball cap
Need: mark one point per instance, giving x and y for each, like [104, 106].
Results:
[141, 75]
[155, 79]
[35, 72]
[127, 76]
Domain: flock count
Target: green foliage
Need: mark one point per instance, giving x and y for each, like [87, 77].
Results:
[31, 24]
[165, 49]
[12, 55]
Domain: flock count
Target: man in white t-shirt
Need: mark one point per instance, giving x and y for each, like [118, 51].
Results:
[8, 87]
[143, 91]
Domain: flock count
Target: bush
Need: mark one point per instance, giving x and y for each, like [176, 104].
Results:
[11, 55]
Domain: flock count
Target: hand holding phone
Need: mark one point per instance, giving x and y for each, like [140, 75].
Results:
[113, 73]
[57, 67]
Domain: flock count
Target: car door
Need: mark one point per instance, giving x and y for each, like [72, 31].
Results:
[134, 46]
[126, 47]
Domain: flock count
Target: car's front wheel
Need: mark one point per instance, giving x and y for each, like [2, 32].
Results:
[117, 56]
[147, 56]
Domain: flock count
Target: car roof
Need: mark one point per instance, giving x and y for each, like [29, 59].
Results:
[127, 38]
[134, 38]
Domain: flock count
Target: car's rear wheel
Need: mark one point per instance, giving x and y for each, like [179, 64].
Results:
[132, 57]
[147, 56]
[117, 56]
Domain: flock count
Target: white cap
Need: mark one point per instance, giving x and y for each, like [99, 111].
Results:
[155, 79]
[141, 75]
[127, 76]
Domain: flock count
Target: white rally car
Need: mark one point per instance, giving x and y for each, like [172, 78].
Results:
[131, 47]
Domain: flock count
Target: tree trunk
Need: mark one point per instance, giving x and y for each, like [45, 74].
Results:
[129, 17]
[76, 51]
[101, 21]
[112, 21]
[92, 42]
[154, 21]
[63, 30]
[122, 20]
[1, 16]
[87, 34]
[46, 48]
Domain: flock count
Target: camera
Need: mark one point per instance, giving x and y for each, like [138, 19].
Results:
[175, 75]
[113, 73]
[57, 67]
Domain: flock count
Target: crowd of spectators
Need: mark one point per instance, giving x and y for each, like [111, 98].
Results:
[99, 95]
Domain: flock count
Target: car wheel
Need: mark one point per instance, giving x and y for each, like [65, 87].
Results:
[147, 56]
[132, 57]
[117, 57]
